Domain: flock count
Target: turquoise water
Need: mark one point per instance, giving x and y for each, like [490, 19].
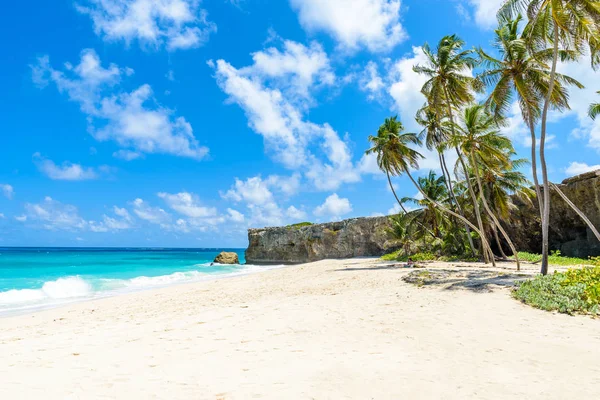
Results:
[35, 278]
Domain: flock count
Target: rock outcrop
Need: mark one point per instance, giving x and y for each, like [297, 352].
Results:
[568, 233]
[227, 258]
[368, 236]
[360, 237]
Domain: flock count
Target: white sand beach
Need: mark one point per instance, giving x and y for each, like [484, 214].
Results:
[347, 329]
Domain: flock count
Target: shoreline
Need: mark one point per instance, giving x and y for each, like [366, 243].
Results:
[330, 329]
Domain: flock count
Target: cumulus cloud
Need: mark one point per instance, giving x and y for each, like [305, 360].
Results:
[484, 12]
[66, 172]
[334, 207]
[295, 213]
[577, 168]
[7, 190]
[235, 215]
[354, 24]
[371, 82]
[187, 204]
[54, 215]
[154, 215]
[175, 24]
[276, 113]
[133, 119]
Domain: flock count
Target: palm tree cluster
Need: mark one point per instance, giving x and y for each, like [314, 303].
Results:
[468, 206]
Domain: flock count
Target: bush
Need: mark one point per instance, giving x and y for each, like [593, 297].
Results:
[299, 225]
[571, 292]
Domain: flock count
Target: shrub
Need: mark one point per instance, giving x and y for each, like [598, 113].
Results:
[299, 225]
[557, 259]
[571, 292]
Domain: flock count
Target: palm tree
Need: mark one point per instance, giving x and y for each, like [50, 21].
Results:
[478, 138]
[594, 110]
[524, 74]
[436, 132]
[448, 88]
[388, 138]
[436, 189]
[567, 24]
[402, 158]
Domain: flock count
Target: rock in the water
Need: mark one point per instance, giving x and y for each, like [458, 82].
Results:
[227, 258]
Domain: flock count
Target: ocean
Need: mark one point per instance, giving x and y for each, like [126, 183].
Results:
[38, 278]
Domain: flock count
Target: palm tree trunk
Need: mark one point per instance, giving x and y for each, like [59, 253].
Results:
[446, 210]
[546, 210]
[402, 205]
[536, 182]
[475, 205]
[394, 191]
[498, 242]
[490, 212]
[577, 210]
[446, 172]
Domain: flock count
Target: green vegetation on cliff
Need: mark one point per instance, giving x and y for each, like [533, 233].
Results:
[299, 225]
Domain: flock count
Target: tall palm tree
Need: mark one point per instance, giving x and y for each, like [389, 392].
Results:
[594, 110]
[402, 158]
[448, 88]
[478, 137]
[566, 24]
[519, 72]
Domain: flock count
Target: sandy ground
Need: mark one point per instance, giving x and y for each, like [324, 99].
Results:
[349, 329]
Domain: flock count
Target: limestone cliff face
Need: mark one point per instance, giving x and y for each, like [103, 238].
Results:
[568, 233]
[360, 237]
[368, 236]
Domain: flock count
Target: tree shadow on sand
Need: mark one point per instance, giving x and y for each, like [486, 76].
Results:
[476, 281]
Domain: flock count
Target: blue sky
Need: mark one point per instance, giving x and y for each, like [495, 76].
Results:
[184, 122]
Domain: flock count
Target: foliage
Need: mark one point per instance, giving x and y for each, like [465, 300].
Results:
[299, 225]
[572, 292]
[557, 259]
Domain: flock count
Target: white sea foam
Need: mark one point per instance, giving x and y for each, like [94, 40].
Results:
[74, 288]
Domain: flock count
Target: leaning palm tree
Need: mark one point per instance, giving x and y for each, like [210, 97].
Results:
[435, 188]
[478, 137]
[448, 88]
[568, 25]
[594, 110]
[388, 138]
[518, 72]
[401, 158]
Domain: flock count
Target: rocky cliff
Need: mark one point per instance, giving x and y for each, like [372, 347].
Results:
[568, 233]
[360, 237]
[368, 236]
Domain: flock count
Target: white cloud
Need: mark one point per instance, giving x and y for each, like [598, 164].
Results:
[287, 136]
[484, 12]
[580, 100]
[66, 172]
[176, 24]
[371, 82]
[2, 216]
[374, 24]
[405, 87]
[259, 200]
[54, 215]
[154, 215]
[296, 69]
[7, 190]
[577, 168]
[295, 213]
[170, 75]
[334, 207]
[288, 185]
[187, 204]
[235, 215]
[21, 218]
[133, 119]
